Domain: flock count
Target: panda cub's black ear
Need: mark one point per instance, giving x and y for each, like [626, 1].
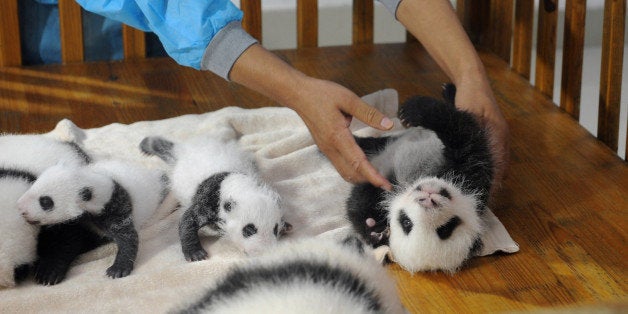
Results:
[86, 194]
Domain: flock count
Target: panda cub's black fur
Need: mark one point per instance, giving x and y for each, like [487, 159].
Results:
[442, 170]
[304, 276]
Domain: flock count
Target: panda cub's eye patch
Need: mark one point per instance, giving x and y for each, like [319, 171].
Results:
[276, 230]
[46, 203]
[249, 230]
[86, 194]
[405, 222]
[445, 231]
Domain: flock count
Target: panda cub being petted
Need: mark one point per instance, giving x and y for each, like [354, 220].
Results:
[113, 196]
[218, 186]
[442, 170]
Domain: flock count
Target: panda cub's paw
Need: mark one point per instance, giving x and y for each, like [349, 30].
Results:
[421, 110]
[119, 271]
[195, 256]
[48, 275]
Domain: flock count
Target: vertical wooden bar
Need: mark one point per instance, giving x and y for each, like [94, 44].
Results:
[546, 50]
[522, 37]
[573, 52]
[252, 20]
[500, 31]
[474, 16]
[307, 23]
[611, 72]
[71, 25]
[134, 41]
[10, 49]
[363, 22]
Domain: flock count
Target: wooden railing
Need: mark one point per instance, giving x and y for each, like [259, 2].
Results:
[493, 25]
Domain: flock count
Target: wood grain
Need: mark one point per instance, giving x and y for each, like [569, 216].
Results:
[564, 199]
[10, 49]
[362, 30]
[522, 37]
[252, 20]
[546, 50]
[307, 23]
[611, 74]
[134, 42]
[573, 54]
[71, 25]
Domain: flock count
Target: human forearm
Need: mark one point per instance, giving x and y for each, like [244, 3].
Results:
[435, 24]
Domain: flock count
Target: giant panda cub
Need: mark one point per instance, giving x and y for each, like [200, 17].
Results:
[113, 196]
[218, 186]
[23, 158]
[442, 171]
[308, 275]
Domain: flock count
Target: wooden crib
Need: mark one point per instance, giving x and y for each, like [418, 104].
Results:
[565, 199]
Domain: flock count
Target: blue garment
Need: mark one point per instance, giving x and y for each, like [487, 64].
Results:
[185, 28]
[40, 33]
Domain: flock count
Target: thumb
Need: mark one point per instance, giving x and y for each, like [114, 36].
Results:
[371, 116]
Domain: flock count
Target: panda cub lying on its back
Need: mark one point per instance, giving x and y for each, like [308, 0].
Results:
[115, 197]
[442, 169]
[309, 275]
[218, 186]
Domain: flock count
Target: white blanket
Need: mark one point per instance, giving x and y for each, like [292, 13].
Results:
[288, 159]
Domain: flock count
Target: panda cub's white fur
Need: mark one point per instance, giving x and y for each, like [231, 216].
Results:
[116, 197]
[433, 204]
[304, 276]
[19, 239]
[442, 171]
[23, 158]
[218, 187]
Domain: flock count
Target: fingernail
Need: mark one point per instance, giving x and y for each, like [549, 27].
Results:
[386, 123]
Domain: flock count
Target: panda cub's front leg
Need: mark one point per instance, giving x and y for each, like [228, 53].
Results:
[126, 238]
[188, 233]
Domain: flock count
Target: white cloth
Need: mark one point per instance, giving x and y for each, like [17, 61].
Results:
[288, 159]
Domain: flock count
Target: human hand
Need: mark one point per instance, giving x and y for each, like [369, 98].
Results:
[327, 109]
[475, 96]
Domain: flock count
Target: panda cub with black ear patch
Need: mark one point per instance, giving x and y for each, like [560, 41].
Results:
[218, 186]
[442, 171]
[309, 275]
[23, 157]
[113, 196]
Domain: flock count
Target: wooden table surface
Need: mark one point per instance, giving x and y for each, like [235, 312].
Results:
[564, 201]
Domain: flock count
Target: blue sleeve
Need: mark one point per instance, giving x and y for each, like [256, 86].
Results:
[185, 28]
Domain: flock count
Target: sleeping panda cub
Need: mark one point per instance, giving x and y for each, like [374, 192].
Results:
[442, 170]
[23, 158]
[113, 196]
[309, 275]
[218, 186]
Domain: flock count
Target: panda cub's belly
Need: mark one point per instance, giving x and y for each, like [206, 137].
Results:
[416, 153]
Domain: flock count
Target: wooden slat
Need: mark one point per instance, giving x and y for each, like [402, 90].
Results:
[252, 20]
[10, 50]
[573, 52]
[500, 31]
[363, 22]
[474, 16]
[546, 49]
[71, 25]
[611, 73]
[134, 41]
[307, 23]
[522, 37]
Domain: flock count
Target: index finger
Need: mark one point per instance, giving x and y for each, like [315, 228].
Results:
[351, 152]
